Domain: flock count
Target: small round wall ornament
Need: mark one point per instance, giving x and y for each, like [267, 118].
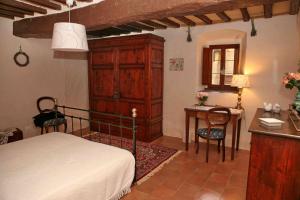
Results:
[21, 58]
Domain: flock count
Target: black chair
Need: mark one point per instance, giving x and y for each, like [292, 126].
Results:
[217, 120]
[49, 117]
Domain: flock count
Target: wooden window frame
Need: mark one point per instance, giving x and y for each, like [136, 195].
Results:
[207, 67]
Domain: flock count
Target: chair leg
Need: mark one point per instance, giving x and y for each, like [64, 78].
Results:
[42, 130]
[207, 149]
[219, 141]
[197, 143]
[66, 127]
[223, 146]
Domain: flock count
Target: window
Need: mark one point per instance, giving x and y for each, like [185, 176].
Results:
[220, 62]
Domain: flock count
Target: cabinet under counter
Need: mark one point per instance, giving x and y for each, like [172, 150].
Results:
[274, 166]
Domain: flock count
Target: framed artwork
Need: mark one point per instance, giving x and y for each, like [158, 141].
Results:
[176, 64]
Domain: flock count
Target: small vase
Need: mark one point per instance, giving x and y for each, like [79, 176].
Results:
[296, 103]
[201, 103]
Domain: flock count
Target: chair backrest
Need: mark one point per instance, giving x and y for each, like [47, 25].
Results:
[39, 106]
[218, 117]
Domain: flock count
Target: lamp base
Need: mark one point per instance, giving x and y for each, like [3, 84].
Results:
[239, 102]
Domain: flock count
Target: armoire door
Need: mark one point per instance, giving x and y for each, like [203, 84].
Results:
[132, 81]
[103, 96]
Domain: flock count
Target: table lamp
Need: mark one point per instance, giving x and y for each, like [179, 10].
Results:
[240, 81]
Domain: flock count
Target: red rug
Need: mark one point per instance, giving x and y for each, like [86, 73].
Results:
[149, 156]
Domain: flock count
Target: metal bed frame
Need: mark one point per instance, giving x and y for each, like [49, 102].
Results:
[121, 118]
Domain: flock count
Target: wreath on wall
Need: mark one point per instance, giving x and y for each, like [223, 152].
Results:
[21, 58]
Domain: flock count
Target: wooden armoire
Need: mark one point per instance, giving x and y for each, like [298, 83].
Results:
[125, 73]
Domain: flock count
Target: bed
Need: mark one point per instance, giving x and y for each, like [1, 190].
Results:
[61, 166]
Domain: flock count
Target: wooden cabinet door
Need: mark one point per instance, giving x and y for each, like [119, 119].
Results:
[132, 81]
[102, 74]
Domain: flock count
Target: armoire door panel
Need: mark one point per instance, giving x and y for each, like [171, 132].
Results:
[157, 81]
[157, 56]
[132, 83]
[104, 57]
[132, 55]
[156, 110]
[126, 108]
[105, 105]
[103, 82]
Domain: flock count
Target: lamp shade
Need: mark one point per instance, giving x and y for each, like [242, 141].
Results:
[240, 81]
[69, 37]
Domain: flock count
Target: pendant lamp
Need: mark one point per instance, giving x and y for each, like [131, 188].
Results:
[69, 36]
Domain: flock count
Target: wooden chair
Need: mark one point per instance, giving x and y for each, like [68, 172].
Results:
[51, 117]
[217, 120]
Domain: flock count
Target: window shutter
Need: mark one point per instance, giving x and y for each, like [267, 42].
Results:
[206, 66]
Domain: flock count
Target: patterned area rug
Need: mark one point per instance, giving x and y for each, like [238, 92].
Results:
[149, 156]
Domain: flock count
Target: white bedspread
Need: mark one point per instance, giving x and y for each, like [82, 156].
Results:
[63, 167]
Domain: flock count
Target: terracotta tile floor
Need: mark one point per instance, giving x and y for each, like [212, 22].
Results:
[188, 176]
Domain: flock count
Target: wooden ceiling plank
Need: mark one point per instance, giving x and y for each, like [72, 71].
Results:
[268, 10]
[129, 28]
[204, 18]
[154, 24]
[169, 22]
[14, 9]
[186, 20]
[141, 26]
[7, 16]
[46, 3]
[294, 7]
[115, 12]
[7, 12]
[61, 1]
[223, 16]
[245, 14]
[23, 6]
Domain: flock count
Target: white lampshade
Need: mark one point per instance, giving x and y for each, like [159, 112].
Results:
[240, 81]
[69, 37]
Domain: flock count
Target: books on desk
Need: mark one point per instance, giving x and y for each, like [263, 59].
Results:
[271, 122]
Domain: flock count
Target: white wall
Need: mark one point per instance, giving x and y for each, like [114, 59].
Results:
[46, 75]
[269, 55]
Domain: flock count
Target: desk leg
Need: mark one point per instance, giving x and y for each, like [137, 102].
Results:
[233, 139]
[196, 128]
[187, 127]
[238, 134]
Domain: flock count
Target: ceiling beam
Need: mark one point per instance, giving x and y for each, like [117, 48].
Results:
[141, 26]
[130, 28]
[204, 18]
[9, 8]
[46, 4]
[24, 6]
[7, 16]
[245, 14]
[294, 7]
[110, 13]
[154, 24]
[169, 22]
[223, 16]
[108, 32]
[186, 20]
[268, 10]
[11, 13]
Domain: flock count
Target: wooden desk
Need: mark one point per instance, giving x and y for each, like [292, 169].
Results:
[274, 166]
[199, 112]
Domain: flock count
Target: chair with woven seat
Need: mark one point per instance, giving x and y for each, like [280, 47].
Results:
[49, 117]
[217, 120]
